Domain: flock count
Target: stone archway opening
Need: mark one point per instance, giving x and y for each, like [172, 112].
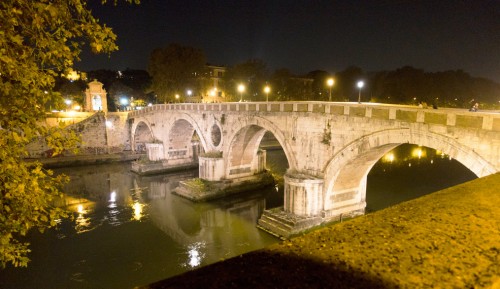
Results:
[256, 149]
[277, 164]
[183, 141]
[346, 174]
[142, 136]
[410, 171]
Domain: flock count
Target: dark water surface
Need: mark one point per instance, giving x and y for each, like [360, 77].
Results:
[130, 230]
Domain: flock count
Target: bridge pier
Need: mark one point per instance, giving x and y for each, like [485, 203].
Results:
[160, 162]
[304, 206]
[215, 182]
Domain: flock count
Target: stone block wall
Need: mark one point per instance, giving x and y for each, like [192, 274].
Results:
[100, 133]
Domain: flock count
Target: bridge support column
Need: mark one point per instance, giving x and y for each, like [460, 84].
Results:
[161, 162]
[213, 183]
[211, 169]
[154, 151]
[303, 195]
[303, 204]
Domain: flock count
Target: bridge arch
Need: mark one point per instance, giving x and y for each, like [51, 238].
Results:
[180, 132]
[243, 144]
[141, 134]
[346, 172]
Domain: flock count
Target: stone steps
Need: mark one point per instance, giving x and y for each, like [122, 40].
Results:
[277, 222]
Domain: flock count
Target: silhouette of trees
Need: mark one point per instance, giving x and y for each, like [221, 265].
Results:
[253, 74]
[408, 85]
[176, 68]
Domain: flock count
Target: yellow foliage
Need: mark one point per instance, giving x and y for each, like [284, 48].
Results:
[38, 40]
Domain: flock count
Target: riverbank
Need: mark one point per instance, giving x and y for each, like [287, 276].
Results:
[81, 160]
[448, 239]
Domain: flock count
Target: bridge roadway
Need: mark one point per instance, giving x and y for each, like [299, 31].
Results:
[330, 147]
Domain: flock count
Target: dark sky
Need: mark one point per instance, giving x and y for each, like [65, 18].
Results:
[433, 35]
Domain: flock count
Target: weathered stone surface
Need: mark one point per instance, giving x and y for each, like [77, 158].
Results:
[336, 143]
[201, 190]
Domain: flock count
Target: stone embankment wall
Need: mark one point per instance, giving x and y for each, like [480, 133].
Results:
[100, 133]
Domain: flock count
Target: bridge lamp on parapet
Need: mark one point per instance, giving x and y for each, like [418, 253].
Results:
[360, 85]
[330, 82]
[241, 89]
[177, 97]
[267, 89]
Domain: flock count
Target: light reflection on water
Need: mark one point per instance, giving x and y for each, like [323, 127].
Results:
[129, 230]
[195, 254]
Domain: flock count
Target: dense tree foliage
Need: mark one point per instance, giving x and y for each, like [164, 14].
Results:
[448, 88]
[252, 74]
[39, 40]
[176, 68]
[73, 91]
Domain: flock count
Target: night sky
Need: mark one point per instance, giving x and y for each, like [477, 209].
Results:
[433, 35]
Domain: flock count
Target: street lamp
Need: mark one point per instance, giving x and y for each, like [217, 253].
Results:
[241, 89]
[360, 85]
[177, 97]
[330, 83]
[68, 103]
[267, 89]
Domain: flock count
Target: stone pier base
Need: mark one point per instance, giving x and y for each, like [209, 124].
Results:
[282, 224]
[199, 190]
[149, 168]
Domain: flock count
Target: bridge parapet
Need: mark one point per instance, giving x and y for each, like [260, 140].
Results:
[405, 113]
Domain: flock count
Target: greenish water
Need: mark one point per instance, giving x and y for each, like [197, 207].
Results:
[130, 230]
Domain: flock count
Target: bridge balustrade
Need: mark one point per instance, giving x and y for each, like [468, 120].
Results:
[446, 116]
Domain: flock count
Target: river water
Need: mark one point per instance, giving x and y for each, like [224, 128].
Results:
[130, 230]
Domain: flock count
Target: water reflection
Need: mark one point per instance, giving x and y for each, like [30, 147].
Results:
[130, 230]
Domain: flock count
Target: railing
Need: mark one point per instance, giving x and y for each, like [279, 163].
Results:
[443, 116]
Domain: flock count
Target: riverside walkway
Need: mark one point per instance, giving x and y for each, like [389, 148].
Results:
[448, 239]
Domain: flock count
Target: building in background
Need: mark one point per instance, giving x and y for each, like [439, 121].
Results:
[215, 90]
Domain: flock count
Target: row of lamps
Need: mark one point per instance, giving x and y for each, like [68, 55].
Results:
[267, 89]
[330, 82]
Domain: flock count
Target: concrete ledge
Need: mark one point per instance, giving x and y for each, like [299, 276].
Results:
[150, 168]
[201, 190]
[82, 160]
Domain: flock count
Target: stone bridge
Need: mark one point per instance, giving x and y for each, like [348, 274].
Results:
[330, 147]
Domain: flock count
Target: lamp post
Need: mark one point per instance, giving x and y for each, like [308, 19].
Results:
[241, 89]
[360, 85]
[330, 83]
[68, 103]
[267, 89]
[177, 97]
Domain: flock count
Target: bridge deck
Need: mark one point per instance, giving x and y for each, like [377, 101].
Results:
[486, 120]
